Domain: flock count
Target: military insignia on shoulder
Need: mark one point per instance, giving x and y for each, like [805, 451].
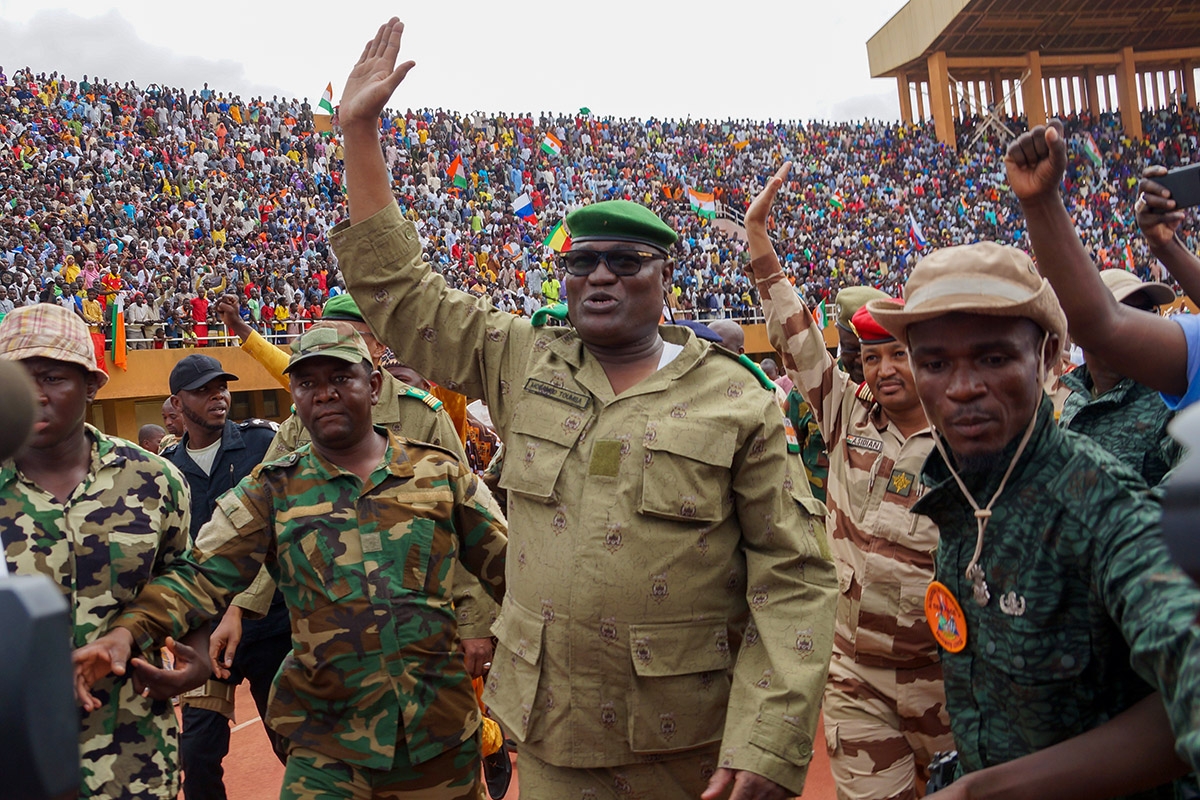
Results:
[422, 395]
[285, 460]
[255, 422]
[864, 393]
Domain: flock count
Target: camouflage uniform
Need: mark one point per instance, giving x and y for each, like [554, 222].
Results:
[127, 522]
[643, 527]
[375, 679]
[885, 713]
[416, 415]
[1129, 420]
[812, 444]
[1087, 614]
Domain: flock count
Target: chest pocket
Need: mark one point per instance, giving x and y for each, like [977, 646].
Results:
[686, 472]
[131, 558]
[541, 437]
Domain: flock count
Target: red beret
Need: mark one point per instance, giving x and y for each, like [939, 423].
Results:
[869, 331]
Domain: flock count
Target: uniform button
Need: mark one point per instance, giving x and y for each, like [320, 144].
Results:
[1018, 662]
[991, 648]
[1068, 661]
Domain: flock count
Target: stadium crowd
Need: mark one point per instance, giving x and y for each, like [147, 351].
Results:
[167, 197]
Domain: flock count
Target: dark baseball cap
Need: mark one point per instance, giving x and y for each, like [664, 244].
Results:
[195, 370]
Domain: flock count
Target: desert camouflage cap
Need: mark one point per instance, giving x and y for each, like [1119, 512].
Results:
[44, 330]
[332, 339]
[850, 300]
[983, 278]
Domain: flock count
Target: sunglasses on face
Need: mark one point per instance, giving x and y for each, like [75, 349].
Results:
[619, 262]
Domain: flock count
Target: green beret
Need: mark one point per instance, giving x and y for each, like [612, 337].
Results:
[342, 307]
[850, 300]
[619, 221]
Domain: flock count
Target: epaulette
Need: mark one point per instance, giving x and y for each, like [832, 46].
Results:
[255, 422]
[169, 450]
[285, 460]
[557, 311]
[749, 364]
[422, 395]
[864, 393]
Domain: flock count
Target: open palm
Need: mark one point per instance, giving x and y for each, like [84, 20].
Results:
[374, 77]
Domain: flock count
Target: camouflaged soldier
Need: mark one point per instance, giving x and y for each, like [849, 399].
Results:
[405, 411]
[1123, 416]
[100, 516]
[1056, 602]
[648, 490]
[360, 530]
[885, 709]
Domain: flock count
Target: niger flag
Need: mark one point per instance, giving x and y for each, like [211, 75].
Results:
[118, 329]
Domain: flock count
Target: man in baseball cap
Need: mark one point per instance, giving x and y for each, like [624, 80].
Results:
[63, 502]
[1056, 603]
[1126, 418]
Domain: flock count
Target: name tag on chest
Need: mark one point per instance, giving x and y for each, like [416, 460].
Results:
[863, 443]
[573, 399]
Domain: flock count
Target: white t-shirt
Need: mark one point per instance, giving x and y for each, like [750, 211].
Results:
[205, 456]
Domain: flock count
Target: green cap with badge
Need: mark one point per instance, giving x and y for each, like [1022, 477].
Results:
[619, 221]
[329, 339]
[850, 300]
[341, 307]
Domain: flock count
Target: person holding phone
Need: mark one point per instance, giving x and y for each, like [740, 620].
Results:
[1162, 353]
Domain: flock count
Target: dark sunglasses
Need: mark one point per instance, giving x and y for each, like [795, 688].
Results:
[619, 262]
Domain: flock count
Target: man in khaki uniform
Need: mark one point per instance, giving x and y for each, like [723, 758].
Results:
[885, 708]
[652, 518]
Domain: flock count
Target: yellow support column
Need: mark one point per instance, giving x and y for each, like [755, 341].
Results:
[1127, 97]
[1032, 94]
[939, 99]
[905, 90]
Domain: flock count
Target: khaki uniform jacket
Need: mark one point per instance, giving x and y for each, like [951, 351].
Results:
[884, 553]
[645, 530]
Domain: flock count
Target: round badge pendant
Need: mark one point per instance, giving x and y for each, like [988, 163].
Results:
[945, 617]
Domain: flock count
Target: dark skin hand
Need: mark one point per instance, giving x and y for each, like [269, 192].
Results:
[1139, 754]
[227, 309]
[1159, 220]
[1146, 347]
[191, 668]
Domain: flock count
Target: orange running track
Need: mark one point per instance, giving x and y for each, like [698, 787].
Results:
[253, 773]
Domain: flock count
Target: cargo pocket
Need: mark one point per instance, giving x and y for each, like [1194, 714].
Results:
[680, 685]
[131, 562]
[1041, 665]
[541, 438]
[516, 668]
[686, 471]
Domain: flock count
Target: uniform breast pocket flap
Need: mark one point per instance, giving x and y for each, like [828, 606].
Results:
[131, 560]
[686, 471]
[542, 436]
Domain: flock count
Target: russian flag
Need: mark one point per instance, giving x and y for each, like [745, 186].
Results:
[523, 207]
[914, 232]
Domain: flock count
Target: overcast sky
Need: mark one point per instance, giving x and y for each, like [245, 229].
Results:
[781, 59]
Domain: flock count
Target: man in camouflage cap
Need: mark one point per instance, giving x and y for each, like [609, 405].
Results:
[885, 709]
[1058, 605]
[655, 522]
[848, 302]
[59, 503]
[360, 530]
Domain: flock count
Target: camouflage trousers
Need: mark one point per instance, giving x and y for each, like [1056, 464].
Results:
[454, 775]
[676, 777]
[882, 728]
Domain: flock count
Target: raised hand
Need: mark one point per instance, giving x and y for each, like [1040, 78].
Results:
[760, 209]
[1036, 161]
[374, 77]
[1155, 210]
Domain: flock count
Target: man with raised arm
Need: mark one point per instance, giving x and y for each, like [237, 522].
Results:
[885, 709]
[654, 522]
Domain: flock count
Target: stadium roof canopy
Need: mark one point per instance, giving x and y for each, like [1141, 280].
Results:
[985, 29]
